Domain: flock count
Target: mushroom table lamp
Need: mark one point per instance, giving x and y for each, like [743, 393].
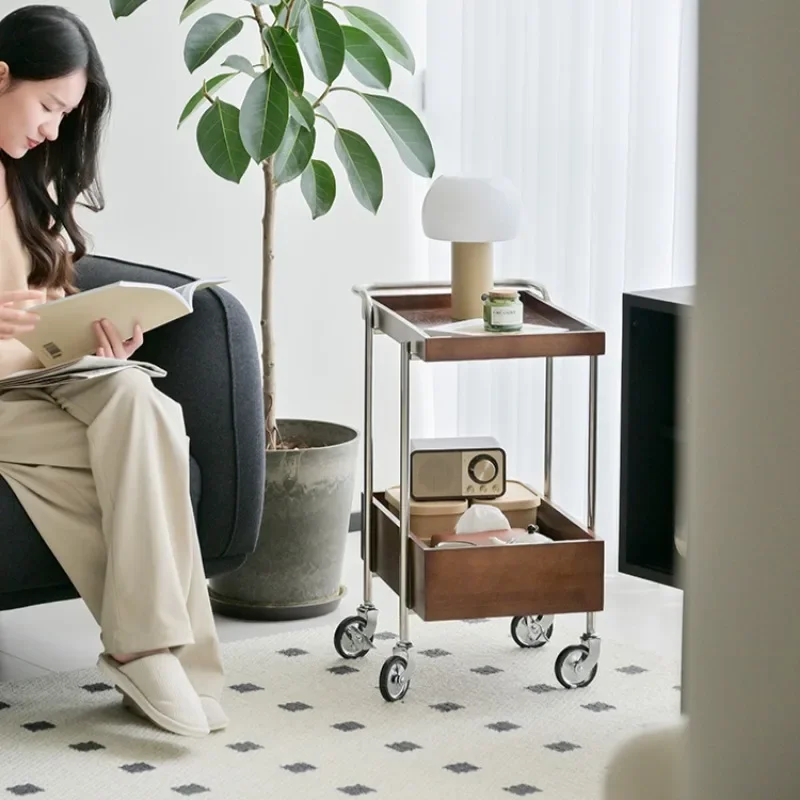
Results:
[472, 213]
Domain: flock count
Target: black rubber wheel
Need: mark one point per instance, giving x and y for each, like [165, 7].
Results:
[347, 646]
[519, 633]
[393, 683]
[568, 665]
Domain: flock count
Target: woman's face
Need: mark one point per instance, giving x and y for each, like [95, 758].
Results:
[31, 111]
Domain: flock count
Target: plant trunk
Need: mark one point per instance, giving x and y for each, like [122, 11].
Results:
[268, 345]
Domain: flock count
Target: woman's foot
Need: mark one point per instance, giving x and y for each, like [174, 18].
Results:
[158, 685]
[217, 719]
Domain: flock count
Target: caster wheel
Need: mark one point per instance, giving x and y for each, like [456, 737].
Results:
[569, 667]
[393, 682]
[528, 632]
[349, 639]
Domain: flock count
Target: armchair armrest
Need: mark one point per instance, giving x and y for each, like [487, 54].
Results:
[213, 371]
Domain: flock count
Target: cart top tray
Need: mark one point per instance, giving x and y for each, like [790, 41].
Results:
[407, 316]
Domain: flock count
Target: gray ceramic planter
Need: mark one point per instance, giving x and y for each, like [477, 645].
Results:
[296, 570]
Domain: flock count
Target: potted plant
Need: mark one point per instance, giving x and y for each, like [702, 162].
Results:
[296, 569]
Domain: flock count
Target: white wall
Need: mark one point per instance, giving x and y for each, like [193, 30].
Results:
[743, 589]
[165, 207]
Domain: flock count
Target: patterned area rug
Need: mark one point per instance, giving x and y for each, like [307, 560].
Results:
[483, 719]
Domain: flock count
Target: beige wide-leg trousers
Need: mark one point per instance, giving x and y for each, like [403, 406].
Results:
[101, 466]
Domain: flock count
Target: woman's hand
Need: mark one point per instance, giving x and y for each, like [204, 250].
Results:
[14, 319]
[110, 344]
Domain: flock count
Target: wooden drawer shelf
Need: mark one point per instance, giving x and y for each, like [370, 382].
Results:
[405, 317]
[493, 581]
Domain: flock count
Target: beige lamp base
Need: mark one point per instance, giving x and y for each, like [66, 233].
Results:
[471, 275]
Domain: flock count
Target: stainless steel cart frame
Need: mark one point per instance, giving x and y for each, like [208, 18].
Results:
[354, 636]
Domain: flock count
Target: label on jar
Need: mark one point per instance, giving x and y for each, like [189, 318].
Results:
[507, 315]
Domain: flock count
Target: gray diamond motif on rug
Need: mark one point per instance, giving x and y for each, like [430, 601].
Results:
[23, 789]
[87, 747]
[4, 705]
[294, 706]
[137, 767]
[356, 790]
[503, 726]
[403, 747]
[243, 688]
[244, 747]
[487, 670]
[631, 670]
[462, 767]
[677, 689]
[446, 708]
[190, 788]
[562, 747]
[522, 789]
[299, 767]
[35, 727]
[598, 707]
[342, 670]
[94, 688]
[293, 652]
[384, 635]
[348, 726]
[541, 688]
[434, 652]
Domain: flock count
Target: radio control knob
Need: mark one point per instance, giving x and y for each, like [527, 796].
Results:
[482, 469]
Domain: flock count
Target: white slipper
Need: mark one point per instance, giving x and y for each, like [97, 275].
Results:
[158, 685]
[215, 716]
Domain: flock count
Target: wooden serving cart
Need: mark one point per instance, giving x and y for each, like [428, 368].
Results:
[529, 582]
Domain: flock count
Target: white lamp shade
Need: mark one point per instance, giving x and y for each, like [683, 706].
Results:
[467, 209]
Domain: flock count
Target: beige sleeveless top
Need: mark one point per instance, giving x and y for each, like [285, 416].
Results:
[15, 266]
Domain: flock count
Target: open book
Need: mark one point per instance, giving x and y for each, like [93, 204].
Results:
[65, 329]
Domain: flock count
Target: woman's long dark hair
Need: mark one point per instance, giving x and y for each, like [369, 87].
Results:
[41, 42]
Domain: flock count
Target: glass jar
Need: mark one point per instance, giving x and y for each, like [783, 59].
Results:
[502, 311]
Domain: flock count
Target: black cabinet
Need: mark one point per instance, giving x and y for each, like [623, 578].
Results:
[651, 436]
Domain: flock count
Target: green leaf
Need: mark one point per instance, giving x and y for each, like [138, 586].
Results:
[285, 57]
[384, 33]
[322, 42]
[241, 64]
[365, 59]
[406, 131]
[124, 8]
[294, 153]
[318, 185]
[362, 167]
[192, 6]
[219, 141]
[279, 10]
[217, 82]
[300, 111]
[207, 36]
[265, 113]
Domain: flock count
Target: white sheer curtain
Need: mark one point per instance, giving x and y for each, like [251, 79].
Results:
[588, 106]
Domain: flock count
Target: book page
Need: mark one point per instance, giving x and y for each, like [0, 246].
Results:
[188, 289]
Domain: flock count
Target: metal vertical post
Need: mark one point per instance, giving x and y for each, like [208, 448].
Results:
[591, 499]
[366, 512]
[548, 427]
[405, 484]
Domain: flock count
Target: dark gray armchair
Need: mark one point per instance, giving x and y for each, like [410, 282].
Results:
[214, 372]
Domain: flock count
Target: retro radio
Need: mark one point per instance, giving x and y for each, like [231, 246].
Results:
[457, 468]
